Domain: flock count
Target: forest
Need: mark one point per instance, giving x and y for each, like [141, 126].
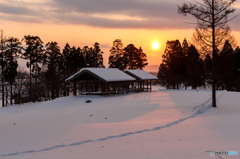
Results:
[48, 66]
[183, 66]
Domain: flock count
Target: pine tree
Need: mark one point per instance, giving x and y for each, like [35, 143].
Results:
[130, 56]
[226, 64]
[93, 56]
[194, 65]
[13, 50]
[172, 70]
[3, 62]
[33, 53]
[141, 59]
[116, 55]
[53, 59]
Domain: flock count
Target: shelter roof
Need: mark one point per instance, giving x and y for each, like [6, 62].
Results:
[103, 74]
[140, 74]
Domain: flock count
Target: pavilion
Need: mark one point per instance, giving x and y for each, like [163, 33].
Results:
[104, 81]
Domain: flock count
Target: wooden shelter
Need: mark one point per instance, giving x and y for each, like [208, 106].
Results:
[101, 81]
[143, 79]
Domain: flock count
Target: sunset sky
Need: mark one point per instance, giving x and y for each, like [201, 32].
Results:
[84, 22]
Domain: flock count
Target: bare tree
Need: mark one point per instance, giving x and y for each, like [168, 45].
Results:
[212, 28]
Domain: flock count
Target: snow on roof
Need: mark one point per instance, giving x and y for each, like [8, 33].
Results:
[106, 74]
[141, 74]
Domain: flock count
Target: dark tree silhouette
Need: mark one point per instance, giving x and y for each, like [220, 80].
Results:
[185, 51]
[133, 58]
[212, 19]
[13, 50]
[194, 66]
[3, 63]
[116, 55]
[130, 57]
[226, 65]
[172, 69]
[53, 60]
[93, 56]
[141, 59]
[33, 53]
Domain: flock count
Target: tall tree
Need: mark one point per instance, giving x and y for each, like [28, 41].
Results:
[13, 50]
[33, 53]
[53, 59]
[141, 59]
[116, 55]
[172, 69]
[226, 64]
[3, 62]
[133, 58]
[93, 56]
[194, 65]
[185, 52]
[212, 19]
[66, 64]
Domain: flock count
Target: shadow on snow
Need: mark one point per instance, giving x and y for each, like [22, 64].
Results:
[200, 109]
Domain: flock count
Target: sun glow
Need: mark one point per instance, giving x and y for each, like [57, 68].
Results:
[155, 45]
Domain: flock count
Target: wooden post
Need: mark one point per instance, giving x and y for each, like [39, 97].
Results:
[118, 89]
[150, 85]
[147, 86]
[74, 88]
[138, 85]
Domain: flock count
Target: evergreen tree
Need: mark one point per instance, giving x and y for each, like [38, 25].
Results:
[116, 55]
[53, 60]
[130, 56]
[194, 65]
[185, 51]
[93, 56]
[13, 50]
[172, 70]
[3, 63]
[141, 59]
[207, 67]
[226, 65]
[33, 53]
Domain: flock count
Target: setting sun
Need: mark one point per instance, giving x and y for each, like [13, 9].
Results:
[155, 45]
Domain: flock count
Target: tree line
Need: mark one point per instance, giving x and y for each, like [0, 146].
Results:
[182, 67]
[49, 66]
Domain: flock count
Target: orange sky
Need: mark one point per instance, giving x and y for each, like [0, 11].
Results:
[80, 27]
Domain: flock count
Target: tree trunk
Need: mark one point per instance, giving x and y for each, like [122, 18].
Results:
[214, 58]
[2, 88]
[30, 91]
[11, 93]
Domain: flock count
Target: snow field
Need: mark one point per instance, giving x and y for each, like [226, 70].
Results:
[161, 124]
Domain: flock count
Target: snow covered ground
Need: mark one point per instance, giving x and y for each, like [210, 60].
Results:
[163, 124]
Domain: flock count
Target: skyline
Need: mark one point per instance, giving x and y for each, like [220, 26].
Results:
[82, 23]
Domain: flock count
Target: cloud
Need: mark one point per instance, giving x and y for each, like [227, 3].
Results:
[125, 14]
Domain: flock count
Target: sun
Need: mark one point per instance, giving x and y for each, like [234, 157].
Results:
[155, 45]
